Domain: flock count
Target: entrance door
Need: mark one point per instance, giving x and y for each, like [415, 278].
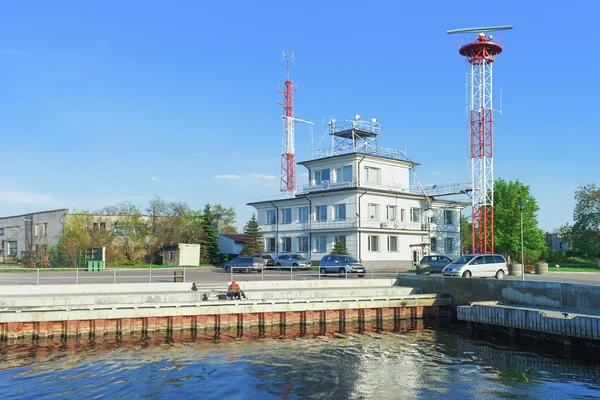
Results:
[416, 256]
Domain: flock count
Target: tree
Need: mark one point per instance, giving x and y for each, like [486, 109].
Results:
[584, 234]
[252, 238]
[466, 235]
[75, 238]
[507, 220]
[209, 243]
[225, 218]
[339, 248]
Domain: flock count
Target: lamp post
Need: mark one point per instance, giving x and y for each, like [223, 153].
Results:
[521, 207]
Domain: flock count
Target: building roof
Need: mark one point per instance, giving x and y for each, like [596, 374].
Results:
[237, 237]
[359, 154]
[65, 210]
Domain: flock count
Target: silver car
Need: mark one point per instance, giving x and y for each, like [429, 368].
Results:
[477, 265]
[294, 261]
[341, 264]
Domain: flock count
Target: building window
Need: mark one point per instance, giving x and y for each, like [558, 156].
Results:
[99, 226]
[392, 243]
[340, 239]
[433, 244]
[45, 229]
[270, 245]
[374, 211]
[448, 245]
[286, 244]
[340, 211]
[402, 215]
[303, 244]
[1, 231]
[321, 175]
[448, 217]
[321, 213]
[271, 217]
[36, 229]
[12, 248]
[286, 216]
[373, 243]
[415, 215]
[343, 174]
[321, 244]
[373, 175]
[303, 214]
[392, 213]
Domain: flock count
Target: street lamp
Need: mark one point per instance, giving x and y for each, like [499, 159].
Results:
[521, 207]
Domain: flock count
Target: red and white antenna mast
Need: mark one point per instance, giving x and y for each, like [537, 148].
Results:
[481, 54]
[288, 156]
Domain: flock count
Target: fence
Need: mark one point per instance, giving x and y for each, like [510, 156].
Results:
[57, 276]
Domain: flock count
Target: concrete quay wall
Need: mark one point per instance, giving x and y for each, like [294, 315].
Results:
[562, 296]
[125, 319]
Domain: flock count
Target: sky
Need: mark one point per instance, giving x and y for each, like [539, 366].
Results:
[110, 101]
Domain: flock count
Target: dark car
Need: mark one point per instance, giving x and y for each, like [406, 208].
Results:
[436, 263]
[268, 259]
[341, 264]
[244, 264]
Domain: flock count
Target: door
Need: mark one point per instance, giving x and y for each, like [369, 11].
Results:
[490, 266]
[478, 266]
[416, 256]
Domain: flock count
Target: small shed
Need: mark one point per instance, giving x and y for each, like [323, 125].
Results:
[180, 254]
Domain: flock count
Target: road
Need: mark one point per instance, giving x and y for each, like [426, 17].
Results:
[217, 275]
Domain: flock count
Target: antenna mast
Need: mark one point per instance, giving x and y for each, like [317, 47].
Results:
[288, 157]
[480, 55]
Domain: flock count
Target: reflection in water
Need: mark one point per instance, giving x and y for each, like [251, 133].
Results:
[409, 359]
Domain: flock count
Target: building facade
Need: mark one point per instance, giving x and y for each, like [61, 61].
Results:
[362, 197]
[36, 231]
[231, 243]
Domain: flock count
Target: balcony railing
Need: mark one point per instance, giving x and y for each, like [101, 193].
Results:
[434, 190]
[370, 223]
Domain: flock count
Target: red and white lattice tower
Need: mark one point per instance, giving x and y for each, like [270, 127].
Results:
[480, 55]
[288, 157]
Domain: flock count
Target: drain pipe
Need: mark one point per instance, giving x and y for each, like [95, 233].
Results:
[309, 231]
[358, 208]
[276, 229]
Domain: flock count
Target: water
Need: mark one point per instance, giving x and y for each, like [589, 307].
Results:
[407, 361]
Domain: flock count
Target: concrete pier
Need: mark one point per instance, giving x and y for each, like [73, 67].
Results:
[143, 308]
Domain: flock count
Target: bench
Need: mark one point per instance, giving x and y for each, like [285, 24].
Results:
[178, 276]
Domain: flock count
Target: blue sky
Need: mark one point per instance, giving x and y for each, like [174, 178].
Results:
[105, 101]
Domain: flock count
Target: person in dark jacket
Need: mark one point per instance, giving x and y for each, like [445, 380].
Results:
[234, 291]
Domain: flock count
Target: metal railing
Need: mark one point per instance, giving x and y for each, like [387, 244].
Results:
[60, 276]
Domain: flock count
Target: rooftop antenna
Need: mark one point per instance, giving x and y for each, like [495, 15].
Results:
[480, 55]
[288, 152]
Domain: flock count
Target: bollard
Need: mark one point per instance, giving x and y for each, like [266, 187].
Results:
[372, 272]
[37, 277]
[231, 272]
[319, 273]
[77, 275]
[262, 274]
[184, 273]
[291, 273]
[114, 275]
[150, 274]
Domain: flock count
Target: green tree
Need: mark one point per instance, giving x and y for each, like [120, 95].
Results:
[209, 243]
[584, 234]
[507, 220]
[225, 218]
[466, 236]
[252, 238]
[339, 248]
[75, 238]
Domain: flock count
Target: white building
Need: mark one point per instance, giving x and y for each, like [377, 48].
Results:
[361, 194]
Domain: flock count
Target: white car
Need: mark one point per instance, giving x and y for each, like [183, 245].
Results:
[294, 261]
[477, 265]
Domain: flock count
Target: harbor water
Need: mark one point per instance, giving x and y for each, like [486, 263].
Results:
[408, 360]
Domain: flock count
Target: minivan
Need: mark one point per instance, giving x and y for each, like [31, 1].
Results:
[477, 265]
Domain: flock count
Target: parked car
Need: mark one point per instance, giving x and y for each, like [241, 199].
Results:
[477, 265]
[436, 263]
[341, 264]
[293, 261]
[244, 264]
[268, 259]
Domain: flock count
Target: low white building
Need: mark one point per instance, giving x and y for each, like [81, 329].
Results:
[361, 195]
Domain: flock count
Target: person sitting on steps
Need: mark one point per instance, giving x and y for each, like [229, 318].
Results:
[234, 291]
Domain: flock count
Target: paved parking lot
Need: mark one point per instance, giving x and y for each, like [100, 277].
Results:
[217, 275]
